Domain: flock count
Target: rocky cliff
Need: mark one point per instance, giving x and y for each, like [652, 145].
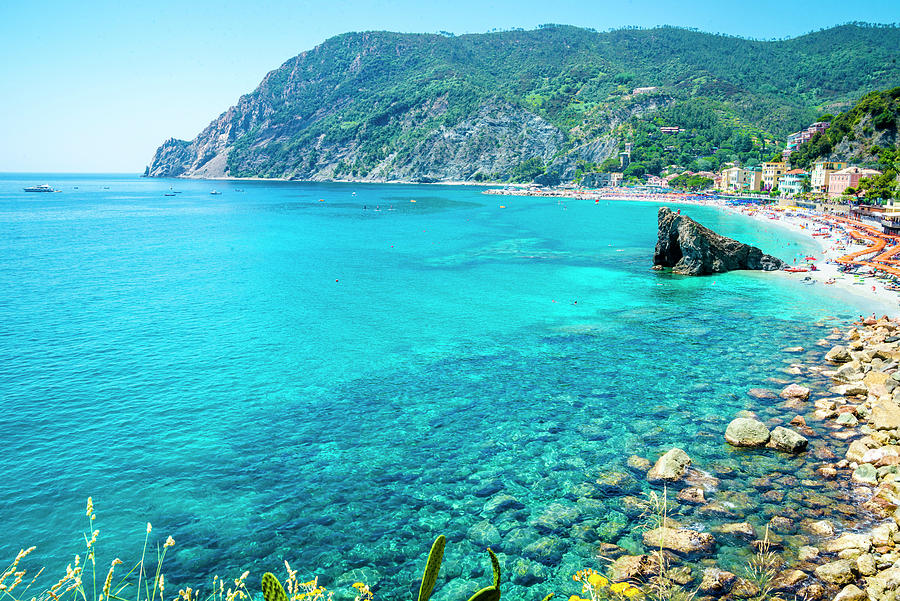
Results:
[692, 249]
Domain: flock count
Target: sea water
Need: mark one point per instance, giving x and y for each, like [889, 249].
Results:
[334, 374]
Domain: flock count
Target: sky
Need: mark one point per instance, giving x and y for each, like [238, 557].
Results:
[96, 86]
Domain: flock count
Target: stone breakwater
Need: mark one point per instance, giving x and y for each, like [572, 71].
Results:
[845, 428]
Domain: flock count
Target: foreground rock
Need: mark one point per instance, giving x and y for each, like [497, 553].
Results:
[671, 467]
[787, 441]
[680, 540]
[747, 432]
[692, 249]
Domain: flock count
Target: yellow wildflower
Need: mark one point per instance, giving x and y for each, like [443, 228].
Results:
[597, 580]
[619, 587]
[632, 592]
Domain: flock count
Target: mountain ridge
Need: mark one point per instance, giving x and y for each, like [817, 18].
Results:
[379, 106]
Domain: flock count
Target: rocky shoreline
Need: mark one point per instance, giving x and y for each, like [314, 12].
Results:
[854, 558]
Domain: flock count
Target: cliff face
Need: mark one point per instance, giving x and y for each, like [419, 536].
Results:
[692, 249]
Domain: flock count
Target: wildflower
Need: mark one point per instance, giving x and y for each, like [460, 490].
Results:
[619, 587]
[632, 592]
[149, 527]
[90, 507]
[169, 542]
[597, 580]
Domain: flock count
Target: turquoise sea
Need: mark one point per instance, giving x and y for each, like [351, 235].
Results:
[334, 374]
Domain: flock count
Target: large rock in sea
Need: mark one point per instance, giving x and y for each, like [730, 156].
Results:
[692, 249]
[671, 467]
[747, 432]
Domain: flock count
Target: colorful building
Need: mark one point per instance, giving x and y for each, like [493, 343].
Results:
[791, 183]
[771, 174]
[848, 178]
[737, 179]
[821, 173]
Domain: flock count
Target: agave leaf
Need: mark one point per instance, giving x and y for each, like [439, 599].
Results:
[429, 577]
[486, 594]
[272, 589]
[495, 564]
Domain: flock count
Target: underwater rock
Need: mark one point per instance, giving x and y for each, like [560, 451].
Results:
[527, 573]
[556, 517]
[639, 464]
[692, 496]
[747, 432]
[484, 534]
[615, 482]
[740, 529]
[500, 503]
[744, 589]
[763, 394]
[671, 467]
[680, 540]
[787, 441]
[795, 391]
[692, 249]
[633, 567]
[547, 550]
[838, 572]
[807, 553]
[716, 582]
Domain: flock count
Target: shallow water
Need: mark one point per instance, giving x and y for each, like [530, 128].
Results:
[265, 376]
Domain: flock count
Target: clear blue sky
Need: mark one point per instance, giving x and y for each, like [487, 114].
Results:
[95, 86]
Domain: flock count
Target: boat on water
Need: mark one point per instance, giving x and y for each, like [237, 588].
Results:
[796, 269]
[214, 192]
[169, 194]
[40, 188]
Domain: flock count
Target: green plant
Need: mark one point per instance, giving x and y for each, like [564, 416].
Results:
[761, 568]
[432, 567]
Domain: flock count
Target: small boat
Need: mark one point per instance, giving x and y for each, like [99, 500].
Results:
[169, 194]
[215, 192]
[40, 188]
[796, 269]
[809, 259]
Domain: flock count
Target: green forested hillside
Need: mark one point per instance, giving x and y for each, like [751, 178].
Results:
[380, 105]
[856, 134]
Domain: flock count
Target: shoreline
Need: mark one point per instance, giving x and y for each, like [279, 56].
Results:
[873, 295]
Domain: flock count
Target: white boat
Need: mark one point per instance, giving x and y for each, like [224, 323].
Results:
[41, 188]
[215, 192]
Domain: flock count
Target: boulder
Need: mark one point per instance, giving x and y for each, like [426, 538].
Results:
[885, 415]
[838, 354]
[795, 391]
[838, 572]
[787, 440]
[716, 582]
[633, 567]
[680, 540]
[692, 249]
[692, 495]
[747, 432]
[865, 474]
[671, 467]
[851, 592]
[884, 585]
[788, 580]
[848, 541]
